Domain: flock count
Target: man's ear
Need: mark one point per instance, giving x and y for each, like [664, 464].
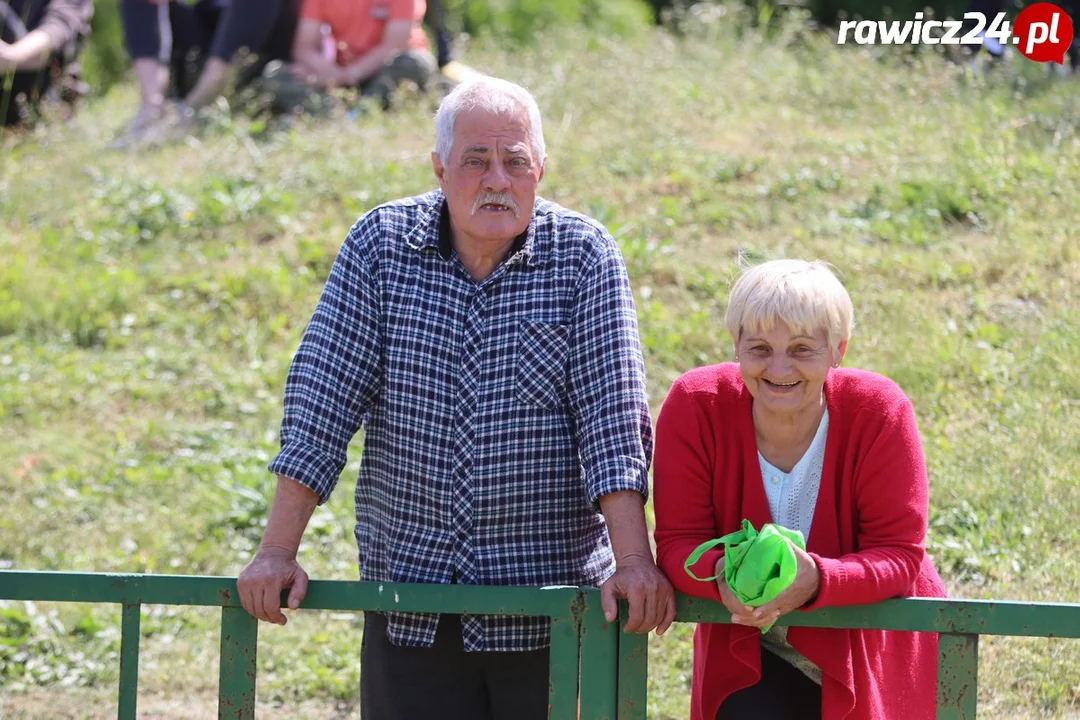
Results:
[543, 164]
[437, 166]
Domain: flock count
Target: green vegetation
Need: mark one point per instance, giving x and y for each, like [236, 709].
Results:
[149, 307]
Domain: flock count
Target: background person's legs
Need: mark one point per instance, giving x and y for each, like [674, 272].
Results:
[415, 66]
[148, 39]
[281, 92]
[435, 18]
[165, 42]
[193, 28]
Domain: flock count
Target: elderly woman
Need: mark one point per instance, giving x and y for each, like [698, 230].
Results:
[784, 436]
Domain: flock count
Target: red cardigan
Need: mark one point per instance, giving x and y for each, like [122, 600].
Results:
[867, 537]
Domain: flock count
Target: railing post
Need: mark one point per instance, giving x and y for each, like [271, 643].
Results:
[563, 668]
[599, 660]
[958, 676]
[236, 688]
[633, 670]
[129, 661]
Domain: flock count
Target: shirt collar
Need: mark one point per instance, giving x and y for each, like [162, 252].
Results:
[433, 231]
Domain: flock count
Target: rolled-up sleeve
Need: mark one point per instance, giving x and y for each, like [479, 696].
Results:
[607, 382]
[336, 372]
[65, 20]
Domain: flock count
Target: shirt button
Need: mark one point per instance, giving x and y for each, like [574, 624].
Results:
[470, 347]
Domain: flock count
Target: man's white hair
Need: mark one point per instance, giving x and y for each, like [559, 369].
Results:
[806, 296]
[492, 95]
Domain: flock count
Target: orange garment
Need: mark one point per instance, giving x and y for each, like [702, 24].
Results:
[357, 26]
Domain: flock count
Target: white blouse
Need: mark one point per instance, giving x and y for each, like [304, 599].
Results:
[792, 497]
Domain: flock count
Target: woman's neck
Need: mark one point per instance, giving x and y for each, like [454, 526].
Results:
[784, 438]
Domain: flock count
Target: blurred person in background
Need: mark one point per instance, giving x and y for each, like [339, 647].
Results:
[372, 46]
[192, 50]
[40, 41]
[989, 9]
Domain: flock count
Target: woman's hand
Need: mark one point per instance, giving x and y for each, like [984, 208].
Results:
[801, 591]
[741, 613]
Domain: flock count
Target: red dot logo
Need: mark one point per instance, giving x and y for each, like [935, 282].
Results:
[1043, 32]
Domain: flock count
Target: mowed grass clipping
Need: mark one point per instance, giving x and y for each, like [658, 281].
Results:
[150, 305]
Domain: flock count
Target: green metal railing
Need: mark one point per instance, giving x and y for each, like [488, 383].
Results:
[597, 672]
[959, 623]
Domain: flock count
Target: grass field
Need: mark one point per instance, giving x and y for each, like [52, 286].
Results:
[149, 307]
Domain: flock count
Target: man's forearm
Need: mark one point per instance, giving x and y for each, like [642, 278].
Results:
[29, 53]
[289, 515]
[624, 513]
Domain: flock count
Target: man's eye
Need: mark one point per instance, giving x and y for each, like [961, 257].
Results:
[474, 162]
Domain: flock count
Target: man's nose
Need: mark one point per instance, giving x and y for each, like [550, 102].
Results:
[496, 178]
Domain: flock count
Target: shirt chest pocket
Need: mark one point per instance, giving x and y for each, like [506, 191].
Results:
[540, 367]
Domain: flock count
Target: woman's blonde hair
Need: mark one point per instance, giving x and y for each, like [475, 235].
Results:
[804, 295]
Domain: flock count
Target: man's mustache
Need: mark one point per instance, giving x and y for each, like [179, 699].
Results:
[499, 198]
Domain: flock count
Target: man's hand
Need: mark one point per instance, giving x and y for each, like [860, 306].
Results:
[801, 591]
[651, 597]
[260, 584]
[274, 566]
[324, 77]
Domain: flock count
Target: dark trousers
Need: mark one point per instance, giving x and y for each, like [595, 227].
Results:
[192, 34]
[435, 18]
[783, 693]
[444, 681]
[181, 43]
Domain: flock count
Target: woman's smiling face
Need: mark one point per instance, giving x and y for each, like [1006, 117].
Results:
[785, 370]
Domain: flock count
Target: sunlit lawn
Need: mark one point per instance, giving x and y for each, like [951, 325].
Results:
[149, 306]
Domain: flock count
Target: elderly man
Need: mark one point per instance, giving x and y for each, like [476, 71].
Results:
[487, 341]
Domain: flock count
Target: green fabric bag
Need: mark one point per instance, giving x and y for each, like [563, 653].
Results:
[759, 565]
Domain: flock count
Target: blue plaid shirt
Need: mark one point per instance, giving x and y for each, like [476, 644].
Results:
[496, 414]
